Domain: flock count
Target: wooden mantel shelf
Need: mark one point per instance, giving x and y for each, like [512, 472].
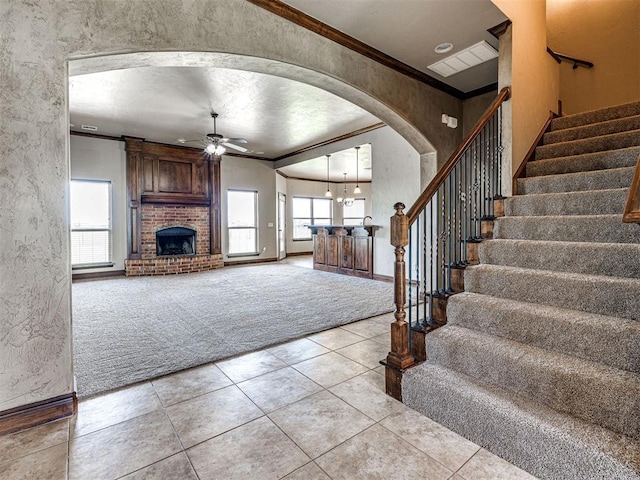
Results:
[345, 249]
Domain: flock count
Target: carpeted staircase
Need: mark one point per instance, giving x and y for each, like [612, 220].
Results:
[540, 359]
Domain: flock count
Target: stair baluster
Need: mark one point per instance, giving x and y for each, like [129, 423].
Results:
[437, 229]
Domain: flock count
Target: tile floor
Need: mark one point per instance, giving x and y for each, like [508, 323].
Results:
[309, 409]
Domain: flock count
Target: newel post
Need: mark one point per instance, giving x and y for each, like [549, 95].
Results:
[399, 357]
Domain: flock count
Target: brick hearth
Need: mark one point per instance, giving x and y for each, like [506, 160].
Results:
[158, 217]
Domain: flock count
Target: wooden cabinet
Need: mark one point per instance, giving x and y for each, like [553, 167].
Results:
[343, 249]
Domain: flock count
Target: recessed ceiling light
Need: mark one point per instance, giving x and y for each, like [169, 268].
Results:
[181, 140]
[444, 47]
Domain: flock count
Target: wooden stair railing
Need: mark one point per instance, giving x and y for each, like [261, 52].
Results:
[632, 208]
[441, 231]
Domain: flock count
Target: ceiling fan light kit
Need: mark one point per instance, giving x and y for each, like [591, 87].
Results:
[217, 144]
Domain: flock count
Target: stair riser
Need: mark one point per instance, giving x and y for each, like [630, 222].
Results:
[576, 182]
[625, 157]
[601, 295]
[604, 115]
[589, 145]
[594, 130]
[611, 259]
[607, 340]
[507, 428]
[609, 202]
[606, 228]
[580, 389]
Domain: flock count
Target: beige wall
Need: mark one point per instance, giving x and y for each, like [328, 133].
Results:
[39, 41]
[534, 75]
[473, 108]
[606, 33]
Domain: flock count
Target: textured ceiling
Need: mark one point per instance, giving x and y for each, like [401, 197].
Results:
[278, 116]
[340, 162]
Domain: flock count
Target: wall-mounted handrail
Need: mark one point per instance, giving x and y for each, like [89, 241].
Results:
[442, 174]
[559, 57]
[439, 229]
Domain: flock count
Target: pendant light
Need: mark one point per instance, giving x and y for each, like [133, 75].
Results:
[357, 189]
[328, 193]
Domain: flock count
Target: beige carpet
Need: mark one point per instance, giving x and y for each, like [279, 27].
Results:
[131, 329]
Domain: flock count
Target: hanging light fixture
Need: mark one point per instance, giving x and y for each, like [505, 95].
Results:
[357, 189]
[344, 201]
[328, 193]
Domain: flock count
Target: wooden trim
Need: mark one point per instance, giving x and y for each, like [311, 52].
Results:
[38, 413]
[531, 153]
[299, 254]
[442, 174]
[248, 262]
[97, 275]
[632, 206]
[288, 177]
[316, 26]
[324, 143]
[499, 29]
[382, 278]
[493, 87]
[96, 135]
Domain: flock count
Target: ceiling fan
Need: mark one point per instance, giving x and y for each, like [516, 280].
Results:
[216, 143]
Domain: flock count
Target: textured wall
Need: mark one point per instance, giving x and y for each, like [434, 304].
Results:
[605, 32]
[37, 40]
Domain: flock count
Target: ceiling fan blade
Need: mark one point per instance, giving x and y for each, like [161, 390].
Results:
[237, 140]
[235, 147]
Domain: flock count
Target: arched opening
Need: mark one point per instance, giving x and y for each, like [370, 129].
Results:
[405, 131]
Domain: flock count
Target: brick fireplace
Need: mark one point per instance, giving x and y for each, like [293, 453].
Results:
[173, 202]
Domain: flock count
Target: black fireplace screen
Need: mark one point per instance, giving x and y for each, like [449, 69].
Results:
[175, 241]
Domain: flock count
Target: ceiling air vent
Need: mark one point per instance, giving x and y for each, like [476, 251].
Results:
[469, 57]
[90, 128]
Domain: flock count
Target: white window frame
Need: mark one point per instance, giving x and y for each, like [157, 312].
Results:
[109, 261]
[254, 227]
[312, 220]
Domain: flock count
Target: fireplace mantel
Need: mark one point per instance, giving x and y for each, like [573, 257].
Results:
[172, 186]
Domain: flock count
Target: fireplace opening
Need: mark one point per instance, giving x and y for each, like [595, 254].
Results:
[175, 241]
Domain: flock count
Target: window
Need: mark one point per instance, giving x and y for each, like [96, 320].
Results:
[242, 214]
[354, 214]
[309, 211]
[90, 223]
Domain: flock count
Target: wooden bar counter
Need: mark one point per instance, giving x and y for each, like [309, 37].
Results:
[343, 249]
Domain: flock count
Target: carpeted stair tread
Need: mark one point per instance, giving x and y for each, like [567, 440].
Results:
[618, 158]
[611, 341]
[546, 443]
[568, 228]
[589, 202]
[596, 393]
[611, 296]
[592, 130]
[578, 181]
[589, 145]
[595, 116]
[611, 259]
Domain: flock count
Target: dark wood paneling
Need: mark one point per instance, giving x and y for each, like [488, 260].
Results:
[170, 175]
[332, 251]
[319, 249]
[27, 416]
[346, 252]
[362, 248]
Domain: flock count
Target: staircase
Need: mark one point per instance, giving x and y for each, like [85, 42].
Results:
[540, 359]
